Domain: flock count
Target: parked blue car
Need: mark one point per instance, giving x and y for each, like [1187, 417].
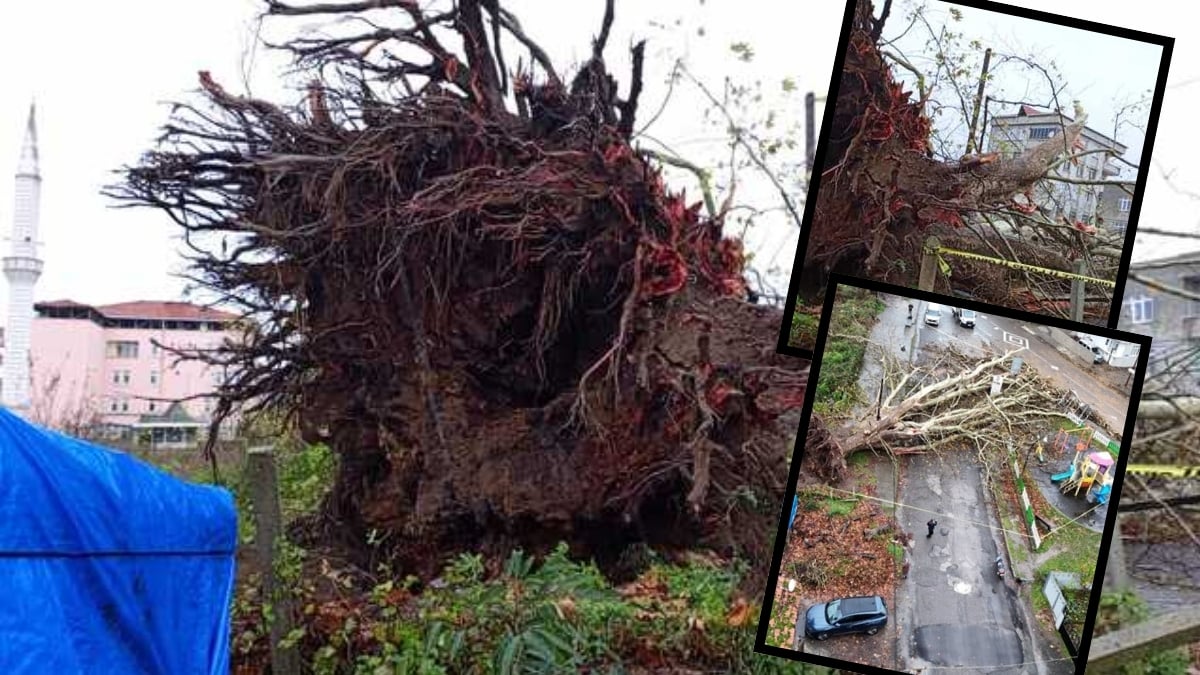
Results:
[848, 615]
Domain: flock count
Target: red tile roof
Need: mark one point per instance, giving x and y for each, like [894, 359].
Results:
[1030, 110]
[146, 309]
[151, 309]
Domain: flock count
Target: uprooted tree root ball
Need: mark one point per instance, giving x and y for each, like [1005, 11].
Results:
[881, 192]
[506, 325]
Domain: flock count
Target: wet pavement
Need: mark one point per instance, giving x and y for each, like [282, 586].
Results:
[995, 334]
[955, 612]
[889, 335]
[952, 612]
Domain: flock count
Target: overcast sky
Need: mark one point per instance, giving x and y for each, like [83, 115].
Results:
[1105, 73]
[101, 73]
[99, 94]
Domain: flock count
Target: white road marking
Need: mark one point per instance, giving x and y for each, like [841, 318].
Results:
[1079, 386]
[1015, 340]
[1026, 329]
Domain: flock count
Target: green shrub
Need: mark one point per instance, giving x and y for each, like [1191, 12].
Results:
[1121, 610]
[854, 312]
[561, 616]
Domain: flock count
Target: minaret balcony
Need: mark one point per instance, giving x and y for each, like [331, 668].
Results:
[22, 264]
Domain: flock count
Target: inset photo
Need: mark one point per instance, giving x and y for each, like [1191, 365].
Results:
[953, 489]
[980, 151]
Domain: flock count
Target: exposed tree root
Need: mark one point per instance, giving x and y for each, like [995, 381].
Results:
[503, 321]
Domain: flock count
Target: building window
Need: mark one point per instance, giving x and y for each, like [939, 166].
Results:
[122, 349]
[1041, 132]
[154, 349]
[120, 377]
[1125, 204]
[154, 377]
[151, 406]
[1140, 310]
[113, 406]
[1191, 284]
[1120, 226]
[124, 405]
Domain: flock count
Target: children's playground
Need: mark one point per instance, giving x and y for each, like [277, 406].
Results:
[1075, 470]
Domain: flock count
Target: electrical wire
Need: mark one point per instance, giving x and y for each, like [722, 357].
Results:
[959, 518]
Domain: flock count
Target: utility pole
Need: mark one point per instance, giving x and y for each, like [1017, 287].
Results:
[810, 131]
[1077, 292]
[929, 264]
[971, 145]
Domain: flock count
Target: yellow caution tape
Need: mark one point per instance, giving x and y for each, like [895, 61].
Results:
[1164, 470]
[1022, 266]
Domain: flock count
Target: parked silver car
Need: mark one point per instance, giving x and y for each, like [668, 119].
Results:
[933, 314]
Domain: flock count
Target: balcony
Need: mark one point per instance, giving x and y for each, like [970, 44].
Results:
[22, 263]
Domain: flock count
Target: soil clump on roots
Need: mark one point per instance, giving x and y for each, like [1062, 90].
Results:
[469, 283]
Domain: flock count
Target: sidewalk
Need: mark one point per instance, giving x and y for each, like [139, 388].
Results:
[888, 335]
[1111, 404]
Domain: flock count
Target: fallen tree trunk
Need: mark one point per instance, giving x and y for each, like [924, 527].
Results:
[1173, 408]
[930, 395]
[954, 408]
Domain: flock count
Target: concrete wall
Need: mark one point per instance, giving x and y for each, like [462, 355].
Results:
[1071, 346]
[1173, 322]
[68, 367]
[73, 354]
[1115, 219]
[1010, 135]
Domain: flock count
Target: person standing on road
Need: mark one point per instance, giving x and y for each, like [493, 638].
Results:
[932, 524]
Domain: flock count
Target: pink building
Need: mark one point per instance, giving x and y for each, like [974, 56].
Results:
[104, 366]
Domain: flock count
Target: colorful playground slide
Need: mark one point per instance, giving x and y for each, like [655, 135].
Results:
[1062, 476]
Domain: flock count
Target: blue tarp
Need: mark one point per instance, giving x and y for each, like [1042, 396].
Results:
[107, 564]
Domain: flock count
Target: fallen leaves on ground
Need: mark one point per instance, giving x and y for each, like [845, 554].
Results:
[738, 613]
[830, 557]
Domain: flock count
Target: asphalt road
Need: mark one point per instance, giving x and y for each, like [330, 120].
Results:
[953, 608]
[995, 334]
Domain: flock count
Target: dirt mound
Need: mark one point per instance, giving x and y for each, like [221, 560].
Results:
[502, 320]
